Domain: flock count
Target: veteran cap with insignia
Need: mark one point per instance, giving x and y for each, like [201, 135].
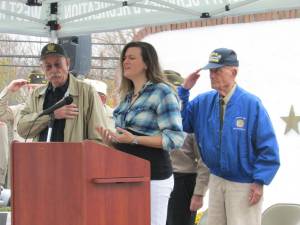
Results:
[53, 49]
[36, 77]
[221, 57]
[173, 77]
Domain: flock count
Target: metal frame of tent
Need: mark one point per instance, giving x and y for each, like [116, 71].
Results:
[61, 18]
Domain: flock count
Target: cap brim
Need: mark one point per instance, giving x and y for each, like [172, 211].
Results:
[57, 54]
[212, 66]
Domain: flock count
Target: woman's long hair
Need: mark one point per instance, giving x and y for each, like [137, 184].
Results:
[150, 58]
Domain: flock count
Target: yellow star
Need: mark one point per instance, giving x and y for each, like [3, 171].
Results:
[291, 121]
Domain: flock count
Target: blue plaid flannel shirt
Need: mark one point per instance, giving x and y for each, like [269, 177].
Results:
[155, 112]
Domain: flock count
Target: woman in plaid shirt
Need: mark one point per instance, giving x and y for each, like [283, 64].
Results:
[148, 121]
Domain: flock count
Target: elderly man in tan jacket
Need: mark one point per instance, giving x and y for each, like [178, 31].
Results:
[3, 153]
[73, 122]
[10, 114]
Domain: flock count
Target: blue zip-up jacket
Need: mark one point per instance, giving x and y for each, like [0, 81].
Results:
[246, 149]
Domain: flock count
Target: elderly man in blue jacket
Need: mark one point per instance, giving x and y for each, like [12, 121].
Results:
[237, 141]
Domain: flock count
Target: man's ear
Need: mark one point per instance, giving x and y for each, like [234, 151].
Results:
[68, 62]
[234, 71]
[42, 67]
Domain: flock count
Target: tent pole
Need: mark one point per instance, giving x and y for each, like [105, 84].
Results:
[52, 23]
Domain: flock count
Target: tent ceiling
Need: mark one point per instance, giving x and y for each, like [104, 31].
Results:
[76, 17]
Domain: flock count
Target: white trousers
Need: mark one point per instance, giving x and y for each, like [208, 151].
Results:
[160, 194]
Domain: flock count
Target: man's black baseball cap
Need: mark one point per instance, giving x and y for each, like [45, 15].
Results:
[53, 49]
[221, 57]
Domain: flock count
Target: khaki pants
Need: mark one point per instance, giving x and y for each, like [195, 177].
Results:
[229, 203]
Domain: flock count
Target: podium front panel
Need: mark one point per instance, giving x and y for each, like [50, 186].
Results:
[47, 185]
[78, 184]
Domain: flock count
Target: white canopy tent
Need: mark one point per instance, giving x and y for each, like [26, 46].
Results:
[61, 18]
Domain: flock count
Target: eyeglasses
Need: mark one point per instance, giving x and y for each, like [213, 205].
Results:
[220, 69]
[216, 70]
[49, 66]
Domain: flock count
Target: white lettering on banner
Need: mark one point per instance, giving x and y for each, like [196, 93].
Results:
[70, 10]
[12, 7]
[112, 13]
[84, 7]
[128, 11]
[188, 3]
[180, 3]
[219, 2]
[146, 10]
[137, 10]
[18, 8]
[94, 7]
[75, 10]
[195, 2]
[3, 6]
[67, 12]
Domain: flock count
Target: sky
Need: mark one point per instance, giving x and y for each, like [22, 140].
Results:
[269, 55]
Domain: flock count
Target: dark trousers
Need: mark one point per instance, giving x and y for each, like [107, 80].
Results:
[179, 204]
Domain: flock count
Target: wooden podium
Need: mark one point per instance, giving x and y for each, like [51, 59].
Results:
[78, 184]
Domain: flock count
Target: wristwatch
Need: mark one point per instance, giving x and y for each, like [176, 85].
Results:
[135, 141]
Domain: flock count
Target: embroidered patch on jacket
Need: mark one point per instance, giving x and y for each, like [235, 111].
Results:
[240, 123]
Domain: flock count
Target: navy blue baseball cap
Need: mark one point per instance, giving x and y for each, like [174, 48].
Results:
[221, 57]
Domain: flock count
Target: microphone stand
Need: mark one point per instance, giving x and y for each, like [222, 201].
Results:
[50, 127]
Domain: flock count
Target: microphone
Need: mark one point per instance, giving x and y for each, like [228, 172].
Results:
[65, 101]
